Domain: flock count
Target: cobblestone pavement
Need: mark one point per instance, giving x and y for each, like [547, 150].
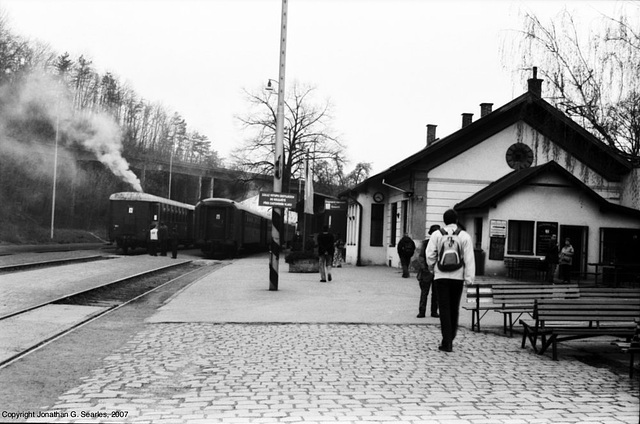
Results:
[262, 373]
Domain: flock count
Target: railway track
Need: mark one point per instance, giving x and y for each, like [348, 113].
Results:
[87, 306]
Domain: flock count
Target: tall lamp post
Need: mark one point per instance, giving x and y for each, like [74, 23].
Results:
[276, 217]
[55, 166]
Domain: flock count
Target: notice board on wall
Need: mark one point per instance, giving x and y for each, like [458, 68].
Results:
[496, 248]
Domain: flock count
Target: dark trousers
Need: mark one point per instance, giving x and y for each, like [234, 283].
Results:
[405, 261]
[449, 293]
[551, 271]
[174, 249]
[565, 273]
[424, 294]
[152, 247]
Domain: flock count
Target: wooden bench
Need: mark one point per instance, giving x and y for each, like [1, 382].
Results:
[479, 301]
[520, 298]
[559, 320]
[518, 267]
[631, 348]
[609, 293]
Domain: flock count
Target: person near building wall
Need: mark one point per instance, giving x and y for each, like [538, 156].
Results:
[551, 258]
[406, 249]
[565, 261]
[449, 284]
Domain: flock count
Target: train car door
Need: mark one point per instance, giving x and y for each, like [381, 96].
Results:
[218, 220]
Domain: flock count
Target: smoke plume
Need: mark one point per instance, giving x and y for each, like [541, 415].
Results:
[42, 108]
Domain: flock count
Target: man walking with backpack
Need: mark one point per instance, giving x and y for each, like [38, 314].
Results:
[450, 257]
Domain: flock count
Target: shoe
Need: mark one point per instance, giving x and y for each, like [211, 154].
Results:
[435, 315]
[323, 281]
[445, 348]
[329, 276]
[420, 316]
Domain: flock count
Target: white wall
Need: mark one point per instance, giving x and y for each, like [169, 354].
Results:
[564, 205]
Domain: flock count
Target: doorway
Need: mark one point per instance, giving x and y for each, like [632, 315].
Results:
[578, 235]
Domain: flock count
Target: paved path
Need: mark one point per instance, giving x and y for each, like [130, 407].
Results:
[227, 350]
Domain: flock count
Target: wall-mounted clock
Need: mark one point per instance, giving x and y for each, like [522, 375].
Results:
[378, 197]
[519, 156]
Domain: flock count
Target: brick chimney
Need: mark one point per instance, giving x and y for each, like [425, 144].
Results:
[535, 84]
[485, 109]
[467, 118]
[431, 134]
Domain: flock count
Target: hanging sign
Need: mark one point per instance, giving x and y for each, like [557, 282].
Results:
[335, 205]
[278, 200]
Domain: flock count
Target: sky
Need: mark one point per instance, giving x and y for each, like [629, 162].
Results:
[388, 67]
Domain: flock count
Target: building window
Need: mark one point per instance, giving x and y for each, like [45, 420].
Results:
[520, 238]
[377, 224]
[405, 216]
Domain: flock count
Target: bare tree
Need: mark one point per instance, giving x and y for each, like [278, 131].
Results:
[307, 131]
[593, 75]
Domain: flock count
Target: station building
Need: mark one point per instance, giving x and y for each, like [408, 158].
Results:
[516, 175]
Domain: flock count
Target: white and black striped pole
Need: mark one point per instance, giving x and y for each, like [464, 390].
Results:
[276, 218]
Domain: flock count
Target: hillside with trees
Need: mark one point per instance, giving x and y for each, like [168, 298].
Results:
[55, 108]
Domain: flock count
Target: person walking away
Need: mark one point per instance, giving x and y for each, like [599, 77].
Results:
[338, 255]
[565, 261]
[406, 249]
[173, 238]
[450, 257]
[163, 238]
[551, 258]
[425, 280]
[152, 241]
[325, 253]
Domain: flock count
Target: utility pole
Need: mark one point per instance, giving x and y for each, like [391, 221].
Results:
[276, 217]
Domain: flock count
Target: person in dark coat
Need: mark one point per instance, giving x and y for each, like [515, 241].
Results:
[552, 258]
[325, 253]
[173, 238]
[406, 249]
[425, 279]
[163, 238]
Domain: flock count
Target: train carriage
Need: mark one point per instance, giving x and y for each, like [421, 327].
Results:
[225, 228]
[131, 215]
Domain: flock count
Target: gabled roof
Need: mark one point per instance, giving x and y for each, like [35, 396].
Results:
[511, 182]
[537, 113]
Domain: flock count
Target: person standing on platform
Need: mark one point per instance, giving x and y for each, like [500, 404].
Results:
[163, 238]
[173, 238]
[152, 241]
[551, 258]
[406, 249]
[450, 257]
[565, 261]
[326, 249]
[425, 280]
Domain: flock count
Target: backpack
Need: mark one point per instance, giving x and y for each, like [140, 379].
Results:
[450, 251]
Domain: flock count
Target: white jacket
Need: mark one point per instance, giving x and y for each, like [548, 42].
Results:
[468, 271]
